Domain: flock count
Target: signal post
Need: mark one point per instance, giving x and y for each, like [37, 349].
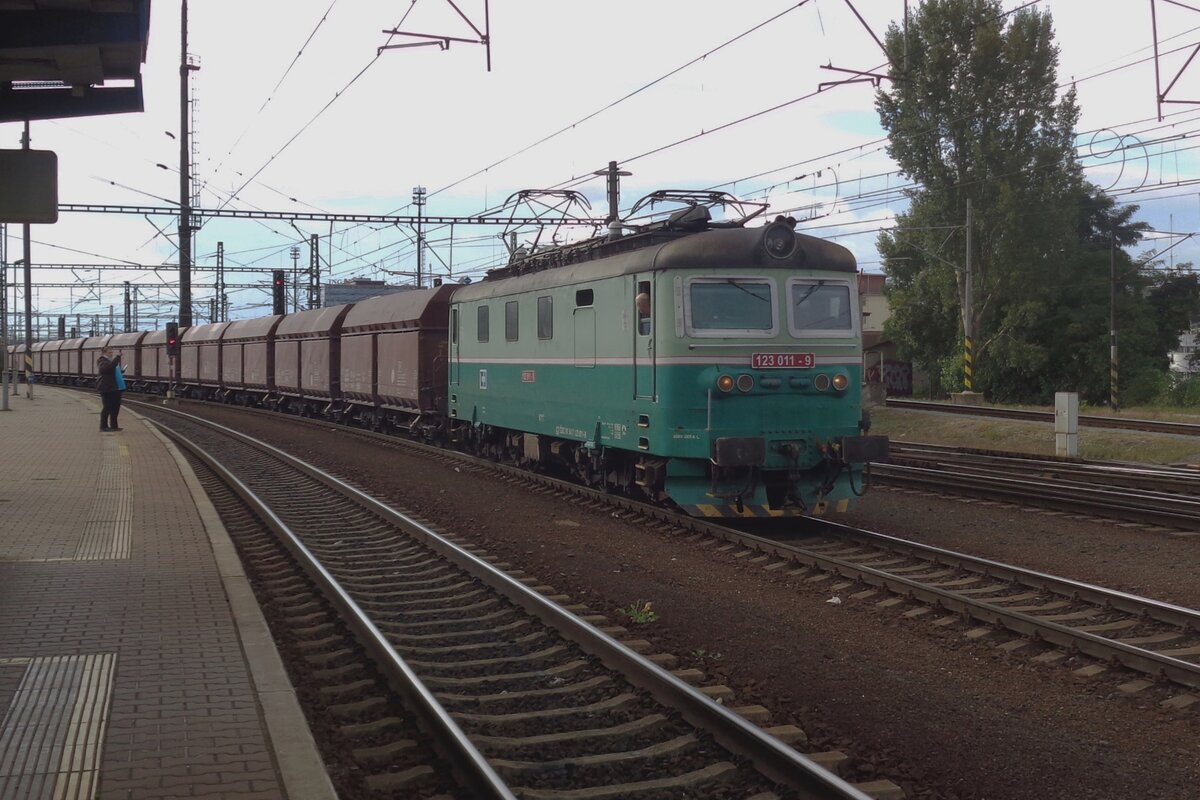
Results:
[172, 354]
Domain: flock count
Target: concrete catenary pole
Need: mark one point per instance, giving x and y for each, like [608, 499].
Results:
[314, 272]
[295, 253]
[28, 294]
[419, 201]
[1113, 397]
[4, 365]
[968, 314]
[185, 183]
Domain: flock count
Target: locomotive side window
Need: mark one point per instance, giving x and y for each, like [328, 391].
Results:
[454, 326]
[482, 323]
[643, 303]
[545, 317]
[820, 308]
[583, 297]
[730, 307]
[511, 320]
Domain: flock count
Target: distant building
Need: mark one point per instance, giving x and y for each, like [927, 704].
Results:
[355, 289]
[1184, 358]
[883, 373]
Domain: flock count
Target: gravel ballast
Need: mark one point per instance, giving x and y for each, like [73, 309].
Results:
[943, 716]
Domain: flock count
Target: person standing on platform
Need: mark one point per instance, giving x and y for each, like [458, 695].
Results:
[110, 385]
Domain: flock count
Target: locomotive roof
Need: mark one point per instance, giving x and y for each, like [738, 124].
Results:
[721, 248]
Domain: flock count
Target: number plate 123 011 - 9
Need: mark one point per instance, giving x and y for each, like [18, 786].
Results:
[783, 360]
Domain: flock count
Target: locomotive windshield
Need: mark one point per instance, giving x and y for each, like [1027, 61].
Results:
[724, 306]
[820, 306]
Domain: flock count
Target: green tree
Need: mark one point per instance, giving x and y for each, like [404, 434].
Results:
[1174, 297]
[1074, 328]
[972, 114]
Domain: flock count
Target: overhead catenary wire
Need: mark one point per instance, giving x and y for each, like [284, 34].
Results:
[847, 200]
[337, 95]
[271, 94]
[678, 142]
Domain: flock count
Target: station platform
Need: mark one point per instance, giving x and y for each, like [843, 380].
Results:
[134, 659]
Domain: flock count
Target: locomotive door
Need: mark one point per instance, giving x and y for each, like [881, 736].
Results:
[585, 335]
[454, 335]
[644, 360]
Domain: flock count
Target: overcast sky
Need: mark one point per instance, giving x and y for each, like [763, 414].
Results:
[282, 121]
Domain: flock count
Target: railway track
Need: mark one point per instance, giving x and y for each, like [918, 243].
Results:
[1164, 496]
[1157, 639]
[1055, 615]
[1085, 420]
[371, 745]
[528, 699]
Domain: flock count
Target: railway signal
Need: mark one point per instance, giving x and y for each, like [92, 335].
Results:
[277, 293]
[172, 338]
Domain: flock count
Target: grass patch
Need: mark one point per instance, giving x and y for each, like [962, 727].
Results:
[929, 427]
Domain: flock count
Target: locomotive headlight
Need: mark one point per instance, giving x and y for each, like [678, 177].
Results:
[779, 240]
[821, 382]
[745, 382]
[840, 382]
[725, 383]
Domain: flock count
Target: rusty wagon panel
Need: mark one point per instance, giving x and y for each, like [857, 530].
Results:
[393, 351]
[307, 350]
[128, 347]
[248, 354]
[200, 354]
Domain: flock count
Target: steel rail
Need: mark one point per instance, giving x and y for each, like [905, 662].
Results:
[1136, 505]
[1150, 485]
[1147, 661]
[480, 778]
[771, 756]
[917, 451]
[1085, 420]
[1138, 659]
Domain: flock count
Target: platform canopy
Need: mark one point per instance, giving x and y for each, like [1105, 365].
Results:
[71, 58]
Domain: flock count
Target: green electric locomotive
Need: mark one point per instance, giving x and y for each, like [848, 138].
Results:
[704, 364]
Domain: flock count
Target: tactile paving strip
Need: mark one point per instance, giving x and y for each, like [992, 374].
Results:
[107, 533]
[52, 734]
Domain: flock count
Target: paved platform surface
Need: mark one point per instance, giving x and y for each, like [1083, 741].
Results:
[134, 662]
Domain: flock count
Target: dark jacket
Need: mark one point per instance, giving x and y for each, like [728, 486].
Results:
[106, 367]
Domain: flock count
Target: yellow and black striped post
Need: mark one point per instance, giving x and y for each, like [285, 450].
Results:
[969, 364]
[29, 374]
[1113, 399]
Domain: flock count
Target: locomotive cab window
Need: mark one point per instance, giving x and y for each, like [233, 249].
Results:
[820, 308]
[643, 304]
[512, 320]
[729, 307]
[482, 323]
[545, 317]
